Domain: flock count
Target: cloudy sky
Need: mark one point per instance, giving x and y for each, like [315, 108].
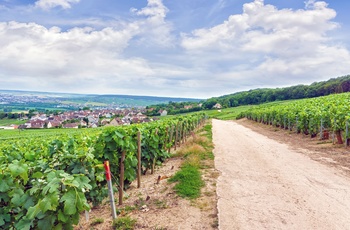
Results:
[177, 48]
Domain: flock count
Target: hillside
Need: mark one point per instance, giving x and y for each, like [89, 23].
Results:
[12, 100]
[258, 96]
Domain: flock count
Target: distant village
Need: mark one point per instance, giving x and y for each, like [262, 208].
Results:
[93, 118]
[85, 119]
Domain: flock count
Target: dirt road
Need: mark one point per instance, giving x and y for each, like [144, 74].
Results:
[266, 185]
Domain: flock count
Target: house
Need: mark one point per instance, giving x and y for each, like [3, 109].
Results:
[37, 124]
[116, 122]
[188, 107]
[105, 121]
[217, 106]
[163, 112]
[53, 124]
[93, 125]
[71, 126]
[136, 120]
[92, 119]
[83, 123]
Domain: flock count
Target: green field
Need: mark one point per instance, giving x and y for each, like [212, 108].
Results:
[7, 122]
[229, 113]
[38, 133]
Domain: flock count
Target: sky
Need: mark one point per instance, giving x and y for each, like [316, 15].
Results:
[182, 48]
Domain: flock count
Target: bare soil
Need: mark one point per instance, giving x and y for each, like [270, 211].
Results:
[323, 151]
[279, 180]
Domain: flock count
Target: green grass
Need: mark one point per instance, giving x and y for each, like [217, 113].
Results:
[6, 122]
[229, 113]
[124, 223]
[207, 128]
[196, 153]
[189, 181]
[30, 133]
[232, 113]
[97, 221]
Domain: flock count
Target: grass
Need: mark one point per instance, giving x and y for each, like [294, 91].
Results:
[232, 113]
[229, 113]
[197, 152]
[6, 122]
[189, 181]
[124, 223]
[96, 221]
[161, 204]
[39, 133]
[126, 210]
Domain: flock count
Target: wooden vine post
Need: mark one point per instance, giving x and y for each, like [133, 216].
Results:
[184, 135]
[321, 130]
[176, 135]
[180, 134]
[138, 159]
[166, 138]
[154, 158]
[121, 179]
[171, 138]
[346, 134]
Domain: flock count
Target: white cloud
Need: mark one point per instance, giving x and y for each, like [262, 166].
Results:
[50, 55]
[84, 59]
[278, 46]
[48, 4]
[154, 28]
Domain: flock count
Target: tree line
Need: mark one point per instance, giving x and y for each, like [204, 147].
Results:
[259, 96]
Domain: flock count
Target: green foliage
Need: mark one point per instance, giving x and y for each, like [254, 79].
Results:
[305, 115]
[259, 96]
[229, 113]
[189, 181]
[124, 223]
[97, 221]
[45, 183]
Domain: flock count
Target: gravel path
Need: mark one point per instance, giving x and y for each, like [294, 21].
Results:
[266, 185]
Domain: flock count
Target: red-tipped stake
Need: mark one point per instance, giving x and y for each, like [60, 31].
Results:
[110, 189]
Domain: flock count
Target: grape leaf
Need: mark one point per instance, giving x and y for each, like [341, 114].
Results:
[23, 224]
[4, 186]
[70, 202]
[19, 169]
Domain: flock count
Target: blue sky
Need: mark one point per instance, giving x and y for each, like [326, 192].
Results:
[197, 48]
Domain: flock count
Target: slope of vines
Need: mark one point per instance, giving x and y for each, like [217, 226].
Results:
[309, 116]
[47, 183]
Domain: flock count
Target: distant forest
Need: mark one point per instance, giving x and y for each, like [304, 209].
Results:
[259, 96]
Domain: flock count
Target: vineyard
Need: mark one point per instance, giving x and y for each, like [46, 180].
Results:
[317, 116]
[46, 182]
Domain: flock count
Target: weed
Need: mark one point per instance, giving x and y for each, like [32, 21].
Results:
[97, 221]
[124, 223]
[126, 210]
[190, 181]
[160, 228]
[215, 224]
[207, 193]
[161, 204]
[140, 202]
